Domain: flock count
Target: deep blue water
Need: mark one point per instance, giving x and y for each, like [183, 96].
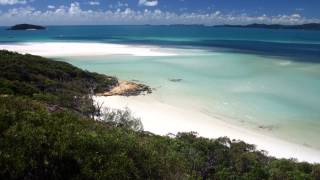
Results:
[296, 45]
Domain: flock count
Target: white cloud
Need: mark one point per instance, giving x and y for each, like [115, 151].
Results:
[94, 3]
[74, 15]
[12, 2]
[118, 5]
[148, 2]
[51, 7]
[75, 8]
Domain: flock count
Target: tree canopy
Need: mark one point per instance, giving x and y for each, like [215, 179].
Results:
[37, 142]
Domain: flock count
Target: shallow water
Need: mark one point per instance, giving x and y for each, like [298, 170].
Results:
[275, 96]
[264, 80]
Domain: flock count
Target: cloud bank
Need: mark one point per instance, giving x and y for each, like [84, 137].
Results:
[75, 15]
[12, 2]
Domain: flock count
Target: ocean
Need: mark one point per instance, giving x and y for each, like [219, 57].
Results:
[260, 79]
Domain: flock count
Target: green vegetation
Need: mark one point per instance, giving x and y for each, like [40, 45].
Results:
[37, 142]
[26, 27]
[58, 84]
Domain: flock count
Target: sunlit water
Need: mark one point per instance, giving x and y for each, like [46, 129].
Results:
[265, 81]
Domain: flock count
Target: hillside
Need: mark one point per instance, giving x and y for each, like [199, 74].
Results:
[58, 84]
[47, 131]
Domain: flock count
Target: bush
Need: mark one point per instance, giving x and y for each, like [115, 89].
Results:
[122, 119]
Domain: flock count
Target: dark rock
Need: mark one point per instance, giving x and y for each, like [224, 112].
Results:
[141, 89]
[175, 80]
[269, 128]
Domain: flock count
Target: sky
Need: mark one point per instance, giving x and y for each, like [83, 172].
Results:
[133, 12]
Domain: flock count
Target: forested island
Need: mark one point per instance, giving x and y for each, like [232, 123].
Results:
[26, 27]
[310, 26]
[49, 130]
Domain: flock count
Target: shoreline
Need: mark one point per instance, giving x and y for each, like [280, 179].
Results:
[77, 49]
[163, 119]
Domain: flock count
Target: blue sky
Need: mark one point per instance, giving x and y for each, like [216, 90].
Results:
[208, 12]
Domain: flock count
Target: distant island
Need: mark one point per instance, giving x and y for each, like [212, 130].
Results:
[26, 27]
[310, 26]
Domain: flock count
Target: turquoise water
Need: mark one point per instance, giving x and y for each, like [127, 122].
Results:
[276, 97]
[265, 80]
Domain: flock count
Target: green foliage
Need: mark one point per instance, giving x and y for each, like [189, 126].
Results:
[52, 82]
[38, 144]
[122, 118]
[47, 132]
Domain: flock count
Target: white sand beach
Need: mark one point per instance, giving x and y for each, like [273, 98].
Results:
[52, 49]
[162, 119]
[158, 117]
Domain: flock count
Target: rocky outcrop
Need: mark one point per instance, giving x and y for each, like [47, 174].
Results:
[127, 88]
